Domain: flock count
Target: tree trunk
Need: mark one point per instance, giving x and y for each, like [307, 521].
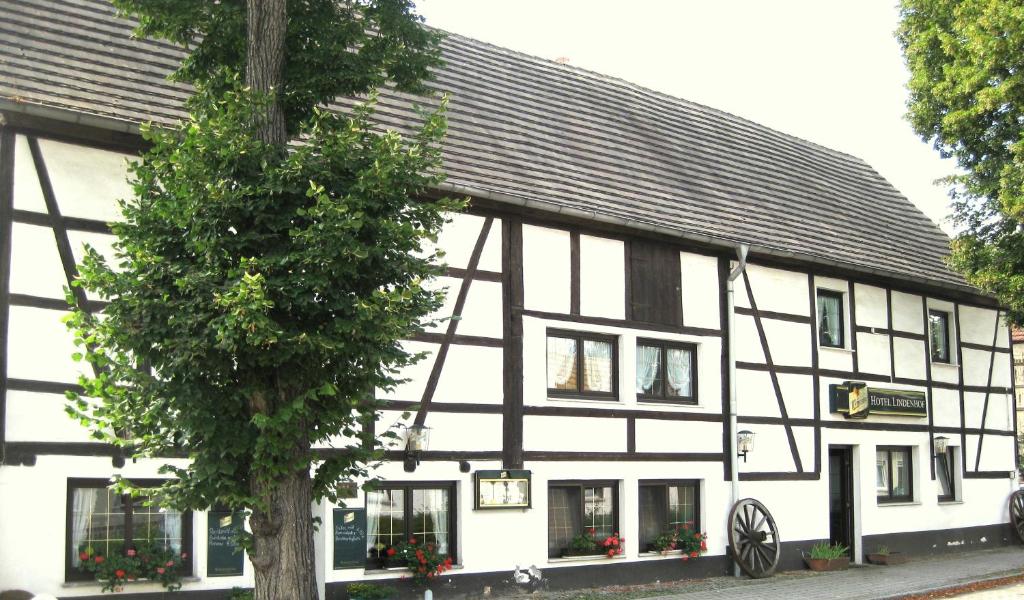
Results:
[264, 62]
[283, 556]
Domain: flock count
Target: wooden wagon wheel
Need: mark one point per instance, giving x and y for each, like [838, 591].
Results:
[754, 538]
[1017, 513]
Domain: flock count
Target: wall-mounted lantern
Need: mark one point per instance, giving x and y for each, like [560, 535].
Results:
[417, 440]
[744, 443]
[939, 444]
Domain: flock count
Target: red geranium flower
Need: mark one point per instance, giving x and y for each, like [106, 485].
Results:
[693, 554]
[130, 552]
[83, 556]
[611, 553]
[170, 563]
[99, 559]
[390, 551]
[160, 570]
[412, 540]
[119, 573]
[704, 546]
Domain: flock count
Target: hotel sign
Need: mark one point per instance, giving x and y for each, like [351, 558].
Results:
[857, 401]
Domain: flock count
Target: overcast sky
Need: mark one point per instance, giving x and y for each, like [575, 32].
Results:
[823, 70]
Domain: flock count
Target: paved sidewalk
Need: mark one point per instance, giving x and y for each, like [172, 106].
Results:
[868, 582]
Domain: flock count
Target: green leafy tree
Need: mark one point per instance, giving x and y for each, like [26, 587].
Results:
[966, 60]
[272, 257]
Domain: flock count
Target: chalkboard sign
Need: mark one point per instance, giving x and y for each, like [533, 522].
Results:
[349, 537]
[224, 556]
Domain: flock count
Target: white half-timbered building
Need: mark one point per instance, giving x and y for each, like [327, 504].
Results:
[593, 361]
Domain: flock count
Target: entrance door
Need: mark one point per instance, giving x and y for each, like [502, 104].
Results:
[840, 496]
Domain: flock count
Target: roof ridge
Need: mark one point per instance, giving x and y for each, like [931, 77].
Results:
[612, 79]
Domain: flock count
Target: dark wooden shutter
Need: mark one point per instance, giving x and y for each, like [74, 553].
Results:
[655, 283]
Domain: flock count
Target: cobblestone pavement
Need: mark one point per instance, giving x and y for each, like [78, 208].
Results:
[867, 582]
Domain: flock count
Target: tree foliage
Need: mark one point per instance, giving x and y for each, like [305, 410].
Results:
[332, 48]
[259, 295]
[967, 96]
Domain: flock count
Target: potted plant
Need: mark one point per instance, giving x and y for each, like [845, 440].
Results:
[369, 591]
[692, 543]
[422, 559]
[585, 544]
[882, 556]
[149, 561]
[827, 557]
[666, 542]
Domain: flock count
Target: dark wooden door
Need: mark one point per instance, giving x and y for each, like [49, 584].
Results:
[840, 496]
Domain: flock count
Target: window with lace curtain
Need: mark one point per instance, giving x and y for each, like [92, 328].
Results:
[666, 371]
[396, 512]
[831, 323]
[108, 523]
[581, 365]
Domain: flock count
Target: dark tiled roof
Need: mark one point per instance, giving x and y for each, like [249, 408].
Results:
[533, 130]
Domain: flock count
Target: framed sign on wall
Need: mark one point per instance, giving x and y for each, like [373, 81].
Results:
[509, 488]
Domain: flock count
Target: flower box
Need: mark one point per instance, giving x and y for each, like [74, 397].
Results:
[827, 564]
[891, 558]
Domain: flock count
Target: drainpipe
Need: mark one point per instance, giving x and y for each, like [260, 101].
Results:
[741, 254]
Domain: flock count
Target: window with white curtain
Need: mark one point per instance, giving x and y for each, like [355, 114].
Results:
[667, 507]
[666, 371]
[938, 329]
[894, 474]
[398, 512]
[108, 524]
[578, 507]
[581, 365]
[831, 322]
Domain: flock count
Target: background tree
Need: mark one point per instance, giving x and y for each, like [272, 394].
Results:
[261, 291]
[966, 60]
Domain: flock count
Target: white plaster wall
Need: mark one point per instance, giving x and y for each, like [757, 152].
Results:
[977, 326]
[35, 264]
[771, 450]
[546, 271]
[414, 376]
[27, 193]
[450, 431]
[656, 435]
[450, 287]
[873, 353]
[755, 395]
[700, 290]
[910, 358]
[945, 407]
[907, 313]
[87, 182]
[574, 434]
[481, 316]
[839, 359]
[470, 374]
[41, 346]
[33, 416]
[871, 310]
[458, 238]
[602, 277]
[775, 290]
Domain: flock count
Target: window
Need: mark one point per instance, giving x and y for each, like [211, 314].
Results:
[938, 328]
[655, 283]
[397, 512]
[111, 523]
[830, 319]
[575, 507]
[945, 472]
[587, 374]
[893, 473]
[666, 371]
[666, 506]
